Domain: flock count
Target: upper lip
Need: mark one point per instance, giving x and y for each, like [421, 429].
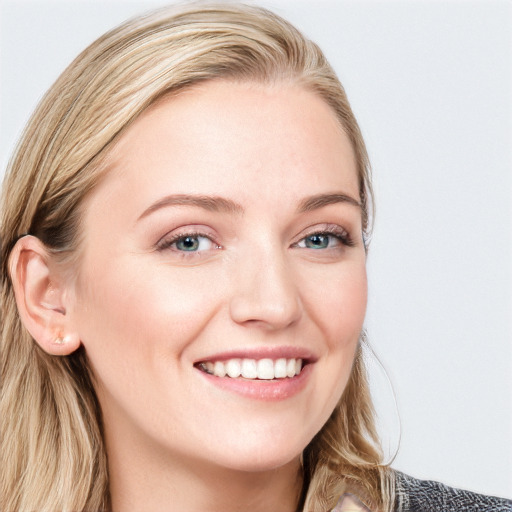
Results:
[276, 352]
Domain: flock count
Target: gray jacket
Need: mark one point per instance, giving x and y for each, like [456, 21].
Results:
[413, 495]
[426, 496]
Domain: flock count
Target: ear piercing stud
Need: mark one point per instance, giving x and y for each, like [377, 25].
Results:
[61, 340]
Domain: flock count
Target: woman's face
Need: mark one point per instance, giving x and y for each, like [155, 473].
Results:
[225, 237]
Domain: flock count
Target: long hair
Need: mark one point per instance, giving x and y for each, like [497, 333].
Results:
[52, 453]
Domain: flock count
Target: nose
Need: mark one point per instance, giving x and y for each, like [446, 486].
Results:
[264, 292]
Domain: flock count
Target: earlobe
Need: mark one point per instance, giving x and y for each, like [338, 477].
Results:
[40, 296]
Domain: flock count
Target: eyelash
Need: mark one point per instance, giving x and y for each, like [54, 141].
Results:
[335, 231]
[332, 230]
[167, 243]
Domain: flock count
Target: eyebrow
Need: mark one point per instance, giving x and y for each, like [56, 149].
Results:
[210, 203]
[321, 200]
[221, 204]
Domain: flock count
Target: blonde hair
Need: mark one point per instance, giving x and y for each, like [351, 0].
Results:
[53, 457]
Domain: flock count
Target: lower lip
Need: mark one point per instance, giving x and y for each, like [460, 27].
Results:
[269, 390]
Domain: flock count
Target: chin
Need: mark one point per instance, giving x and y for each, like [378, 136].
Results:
[267, 452]
[262, 462]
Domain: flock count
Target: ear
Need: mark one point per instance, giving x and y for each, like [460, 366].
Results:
[41, 294]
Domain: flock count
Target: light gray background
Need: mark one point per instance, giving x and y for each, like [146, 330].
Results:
[430, 82]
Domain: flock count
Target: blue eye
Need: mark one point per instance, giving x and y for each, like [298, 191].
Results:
[193, 243]
[317, 241]
[188, 243]
[326, 240]
[320, 241]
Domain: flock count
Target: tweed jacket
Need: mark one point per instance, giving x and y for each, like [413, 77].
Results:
[413, 495]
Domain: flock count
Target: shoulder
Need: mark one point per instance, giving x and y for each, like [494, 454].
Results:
[413, 495]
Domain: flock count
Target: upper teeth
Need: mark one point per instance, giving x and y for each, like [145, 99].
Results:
[254, 369]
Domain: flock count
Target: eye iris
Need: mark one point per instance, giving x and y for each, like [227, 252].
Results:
[317, 241]
[189, 243]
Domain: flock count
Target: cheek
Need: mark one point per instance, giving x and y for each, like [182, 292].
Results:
[338, 303]
[352, 302]
[132, 310]
[337, 309]
[349, 300]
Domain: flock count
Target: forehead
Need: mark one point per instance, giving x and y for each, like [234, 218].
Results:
[234, 139]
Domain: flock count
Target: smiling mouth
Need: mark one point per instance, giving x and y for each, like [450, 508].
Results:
[253, 369]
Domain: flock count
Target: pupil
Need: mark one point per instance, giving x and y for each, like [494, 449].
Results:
[188, 244]
[317, 241]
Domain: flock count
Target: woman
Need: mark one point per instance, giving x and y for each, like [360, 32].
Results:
[172, 338]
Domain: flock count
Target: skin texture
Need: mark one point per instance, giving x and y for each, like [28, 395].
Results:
[148, 312]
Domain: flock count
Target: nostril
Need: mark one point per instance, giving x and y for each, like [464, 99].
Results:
[273, 313]
[264, 288]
